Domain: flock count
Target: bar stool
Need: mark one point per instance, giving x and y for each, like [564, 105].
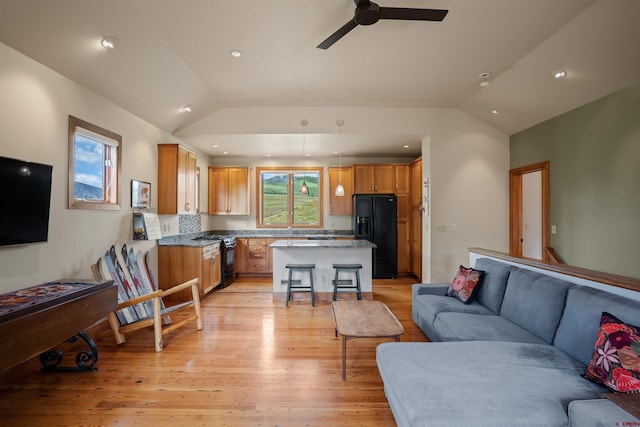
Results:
[347, 284]
[296, 285]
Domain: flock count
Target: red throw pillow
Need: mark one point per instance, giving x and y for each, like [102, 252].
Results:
[466, 284]
[616, 356]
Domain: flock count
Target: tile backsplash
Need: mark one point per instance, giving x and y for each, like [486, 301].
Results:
[189, 224]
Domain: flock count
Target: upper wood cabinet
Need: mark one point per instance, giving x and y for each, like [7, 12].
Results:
[342, 205]
[402, 175]
[176, 180]
[374, 179]
[228, 191]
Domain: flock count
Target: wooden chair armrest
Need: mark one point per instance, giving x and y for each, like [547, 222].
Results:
[139, 299]
[180, 287]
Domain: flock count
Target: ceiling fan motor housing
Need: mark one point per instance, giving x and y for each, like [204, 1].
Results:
[367, 14]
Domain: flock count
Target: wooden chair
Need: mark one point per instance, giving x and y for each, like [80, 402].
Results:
[160, 312]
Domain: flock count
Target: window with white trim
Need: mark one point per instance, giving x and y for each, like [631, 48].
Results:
[94, 166]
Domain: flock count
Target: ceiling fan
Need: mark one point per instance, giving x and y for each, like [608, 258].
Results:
[368, 12]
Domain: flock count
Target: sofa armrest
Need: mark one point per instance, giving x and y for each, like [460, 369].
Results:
[429, 289]
[599, 412]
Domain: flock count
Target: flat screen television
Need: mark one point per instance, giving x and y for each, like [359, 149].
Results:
[25, 191]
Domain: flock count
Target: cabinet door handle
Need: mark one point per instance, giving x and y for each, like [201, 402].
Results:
[187, 207]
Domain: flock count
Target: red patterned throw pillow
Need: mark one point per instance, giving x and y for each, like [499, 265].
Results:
[466, 284]
[616, 356]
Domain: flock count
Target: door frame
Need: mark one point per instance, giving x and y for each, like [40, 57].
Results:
[515, 207]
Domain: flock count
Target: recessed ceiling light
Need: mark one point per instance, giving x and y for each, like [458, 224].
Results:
[225, 152]
[405, 146]
[268, 155]
[495, 111]
[236, 53]
[215, 145]
[187, 108]
[109, 42]
[559, 74]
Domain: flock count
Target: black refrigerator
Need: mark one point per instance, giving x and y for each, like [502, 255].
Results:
[375, 219]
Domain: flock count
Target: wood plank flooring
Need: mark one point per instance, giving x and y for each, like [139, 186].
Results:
[255, 363]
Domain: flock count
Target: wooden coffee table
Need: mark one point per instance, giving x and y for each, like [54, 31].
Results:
[363, 319]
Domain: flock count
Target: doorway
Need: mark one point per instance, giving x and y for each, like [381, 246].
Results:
[529, 211]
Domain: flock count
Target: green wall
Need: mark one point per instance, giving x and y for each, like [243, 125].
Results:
[594, 153]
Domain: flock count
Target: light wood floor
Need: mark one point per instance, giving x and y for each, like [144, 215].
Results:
[255, 363]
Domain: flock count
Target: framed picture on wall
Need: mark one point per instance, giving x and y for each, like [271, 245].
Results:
[140, 194]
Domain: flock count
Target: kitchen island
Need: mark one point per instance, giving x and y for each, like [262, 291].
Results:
[322, 253]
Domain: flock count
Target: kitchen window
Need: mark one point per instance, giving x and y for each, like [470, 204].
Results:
[94, 166]
[280, 199]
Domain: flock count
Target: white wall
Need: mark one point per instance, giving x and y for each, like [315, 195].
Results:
[468, 173]
[34, 108]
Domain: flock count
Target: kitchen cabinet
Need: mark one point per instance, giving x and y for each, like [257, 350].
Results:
[228, 190]
[402, 177]
[241, 255]
[257, 256]
[177, 180]
[415, 218]
[373, 179]
[404, 251]
[340, 205]
[177, 264]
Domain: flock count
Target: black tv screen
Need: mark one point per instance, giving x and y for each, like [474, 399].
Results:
[25, 191]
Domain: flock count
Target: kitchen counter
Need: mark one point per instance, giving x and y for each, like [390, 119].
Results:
[361, 244]
[188, 239]
[322, 253]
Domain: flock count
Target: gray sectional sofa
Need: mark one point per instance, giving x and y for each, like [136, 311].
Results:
[513, 357]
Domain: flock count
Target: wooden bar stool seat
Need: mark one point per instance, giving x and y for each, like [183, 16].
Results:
[346, 285]
[298, 285]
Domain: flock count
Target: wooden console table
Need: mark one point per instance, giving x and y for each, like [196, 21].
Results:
[35, 320]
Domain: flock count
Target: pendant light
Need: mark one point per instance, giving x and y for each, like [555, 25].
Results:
[339, 188]
[304, 190]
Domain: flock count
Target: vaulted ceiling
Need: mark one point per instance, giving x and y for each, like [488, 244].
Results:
[172, 53]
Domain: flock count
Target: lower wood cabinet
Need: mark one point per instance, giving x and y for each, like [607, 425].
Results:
[177, 264]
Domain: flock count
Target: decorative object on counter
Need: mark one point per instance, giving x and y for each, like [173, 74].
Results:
[146, 226]
[304, 190]
[140, 194]
[339, 188]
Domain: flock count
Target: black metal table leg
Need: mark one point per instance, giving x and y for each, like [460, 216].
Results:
[85, 360]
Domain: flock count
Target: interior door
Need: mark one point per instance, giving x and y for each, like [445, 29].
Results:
[519, 221]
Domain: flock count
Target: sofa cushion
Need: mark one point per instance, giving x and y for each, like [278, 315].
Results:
[494, 283]
[580, 321]
[481, 383]
[616, 357]
[599, 413]
[466, 284]
[534, 302]
[430, 305]
[474, 327]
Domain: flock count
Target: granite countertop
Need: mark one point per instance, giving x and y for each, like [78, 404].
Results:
[188, 239]
[294, 244]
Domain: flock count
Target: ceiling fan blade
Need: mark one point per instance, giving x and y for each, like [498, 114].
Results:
[361, 2]
[409, 14]
[338, 34]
